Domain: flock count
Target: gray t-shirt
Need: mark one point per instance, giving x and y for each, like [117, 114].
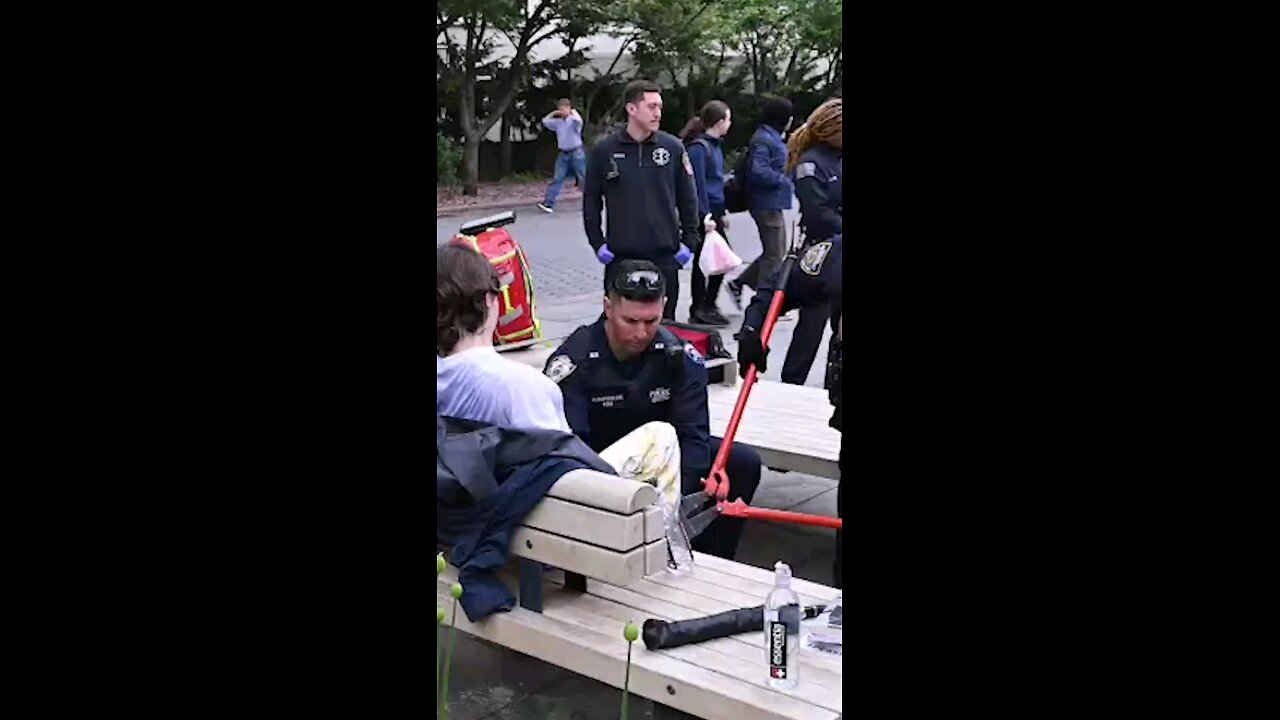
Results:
[481, 385]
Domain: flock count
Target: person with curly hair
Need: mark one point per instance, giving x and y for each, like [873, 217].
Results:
[814, 160]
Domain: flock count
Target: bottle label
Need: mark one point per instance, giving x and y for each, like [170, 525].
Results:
[777, 650]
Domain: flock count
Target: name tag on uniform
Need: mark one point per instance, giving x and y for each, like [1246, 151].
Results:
[607, 400]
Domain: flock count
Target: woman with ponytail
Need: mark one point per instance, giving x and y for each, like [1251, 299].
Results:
[702, 137]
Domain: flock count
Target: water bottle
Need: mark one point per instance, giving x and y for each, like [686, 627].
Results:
[782, 631]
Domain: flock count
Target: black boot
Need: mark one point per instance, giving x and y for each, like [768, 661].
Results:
[711, 316]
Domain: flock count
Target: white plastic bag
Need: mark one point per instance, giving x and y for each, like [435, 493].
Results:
[717, 257]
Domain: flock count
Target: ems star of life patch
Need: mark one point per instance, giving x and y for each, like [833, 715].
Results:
[661, 156]
[560, 368]
[812, 261]
[693, 353]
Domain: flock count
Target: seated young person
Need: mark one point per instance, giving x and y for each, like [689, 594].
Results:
[474, 382]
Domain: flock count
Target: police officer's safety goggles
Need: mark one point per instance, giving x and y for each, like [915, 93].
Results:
[639, 280]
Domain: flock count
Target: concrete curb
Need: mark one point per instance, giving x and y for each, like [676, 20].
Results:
[455, 210]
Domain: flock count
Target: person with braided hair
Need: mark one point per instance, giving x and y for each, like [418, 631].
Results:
[815, 159]
[814, 155]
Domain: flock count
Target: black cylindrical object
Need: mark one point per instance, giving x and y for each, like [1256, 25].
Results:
[661, 635]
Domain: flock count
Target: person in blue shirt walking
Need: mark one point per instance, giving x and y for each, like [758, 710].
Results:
[703, 136]
[567, 124]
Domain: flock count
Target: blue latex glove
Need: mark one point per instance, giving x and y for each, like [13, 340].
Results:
[684, 256]
[603, 254]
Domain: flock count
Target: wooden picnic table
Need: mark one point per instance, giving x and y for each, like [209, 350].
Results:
[724, 679]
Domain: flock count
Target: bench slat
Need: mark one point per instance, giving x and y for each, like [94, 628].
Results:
[802, 411]
[604, 492]
[752, 588]
[588, 524]
[594, 562]
[657, 676]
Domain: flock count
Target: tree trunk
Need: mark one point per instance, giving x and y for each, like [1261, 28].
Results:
[505, 155]
[471, 166]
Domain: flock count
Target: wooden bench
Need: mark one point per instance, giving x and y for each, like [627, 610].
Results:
[591, 526]
[786, 424]
[723, 679]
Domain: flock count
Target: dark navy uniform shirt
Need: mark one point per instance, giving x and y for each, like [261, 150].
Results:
[817, 277]
[820, 188]
[606, 398]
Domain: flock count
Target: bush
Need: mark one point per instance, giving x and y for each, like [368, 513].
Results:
[447, 156]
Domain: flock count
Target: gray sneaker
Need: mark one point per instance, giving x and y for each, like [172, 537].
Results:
[545, 209]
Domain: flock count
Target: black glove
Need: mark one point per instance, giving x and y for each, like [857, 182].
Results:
[751, 352]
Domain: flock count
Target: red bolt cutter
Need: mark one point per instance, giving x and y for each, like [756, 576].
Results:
[717, 482]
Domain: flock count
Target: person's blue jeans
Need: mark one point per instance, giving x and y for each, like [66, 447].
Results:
[574, 161]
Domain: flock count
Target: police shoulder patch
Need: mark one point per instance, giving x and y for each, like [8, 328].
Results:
[688, 166]
[693, 353]
[560, 367]
[813, 258]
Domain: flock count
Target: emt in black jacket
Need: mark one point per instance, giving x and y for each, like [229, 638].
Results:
[645, 179]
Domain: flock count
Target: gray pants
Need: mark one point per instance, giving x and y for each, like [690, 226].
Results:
[773, 241]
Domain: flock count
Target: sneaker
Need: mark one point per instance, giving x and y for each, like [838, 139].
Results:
[735, 293]
[545, 209]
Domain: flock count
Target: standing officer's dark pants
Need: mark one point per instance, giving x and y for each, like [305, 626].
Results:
[670, 271]
[805, 341]
[721, 538]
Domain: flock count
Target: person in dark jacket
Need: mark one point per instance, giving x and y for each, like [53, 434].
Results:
[703, 136]
[626, 370]
[645, 178]
[816, 280]
[815, 162]
[769, 190]
[488, 479]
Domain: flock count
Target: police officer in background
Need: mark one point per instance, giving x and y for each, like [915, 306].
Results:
[815, 160]
[626, 370]
[815, 281]
[644, 177]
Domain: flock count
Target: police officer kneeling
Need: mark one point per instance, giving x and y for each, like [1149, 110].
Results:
[626, 370]
[816, 279]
